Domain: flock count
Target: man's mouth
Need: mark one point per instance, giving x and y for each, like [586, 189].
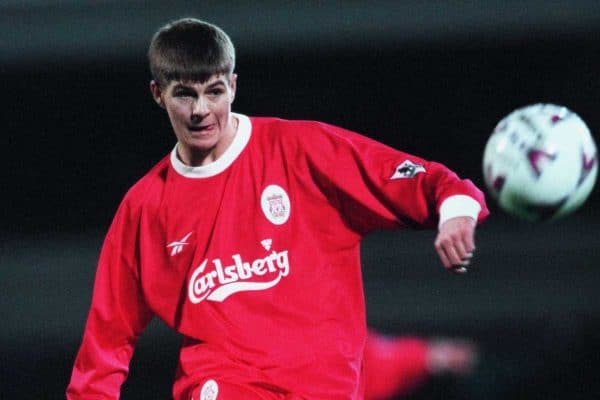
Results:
[200, 128]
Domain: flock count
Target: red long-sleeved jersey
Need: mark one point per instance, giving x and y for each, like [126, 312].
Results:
[255, 260]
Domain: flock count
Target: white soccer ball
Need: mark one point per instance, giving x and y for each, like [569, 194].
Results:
[540, 163]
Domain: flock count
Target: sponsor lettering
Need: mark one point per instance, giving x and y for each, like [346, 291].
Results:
[221, 281]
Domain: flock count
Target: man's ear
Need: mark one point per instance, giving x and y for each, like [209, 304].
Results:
[156, 93]
[233, 85]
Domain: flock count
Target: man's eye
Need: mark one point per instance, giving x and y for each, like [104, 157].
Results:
[215, 92]
[182, 94]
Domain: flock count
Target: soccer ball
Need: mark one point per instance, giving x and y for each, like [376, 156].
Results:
[540, 163]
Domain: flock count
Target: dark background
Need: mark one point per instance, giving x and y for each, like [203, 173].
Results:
[431, 78]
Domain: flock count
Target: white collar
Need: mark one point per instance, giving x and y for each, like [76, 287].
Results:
[239, 143]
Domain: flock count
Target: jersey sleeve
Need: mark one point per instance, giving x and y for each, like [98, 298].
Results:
[117, 316]
[378, 187]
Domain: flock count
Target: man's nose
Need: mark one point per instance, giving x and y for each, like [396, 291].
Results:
[199, 108]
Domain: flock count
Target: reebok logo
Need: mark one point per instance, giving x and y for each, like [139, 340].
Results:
[177, 246]
[215, 282]
[266, 243]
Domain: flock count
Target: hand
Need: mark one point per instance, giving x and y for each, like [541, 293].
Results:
[455, 356]
[455, 243]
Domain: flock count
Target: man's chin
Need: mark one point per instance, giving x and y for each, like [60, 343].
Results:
[197, 144]
[201, 135]
[205, 139]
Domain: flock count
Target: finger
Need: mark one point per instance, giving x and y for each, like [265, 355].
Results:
[469, 240]
[459, 264]
[453, 250]
[443, 257]
[459, 269]
[461, 251]
[467, 259]
[465, 247]
[453, 254]
[465, 242]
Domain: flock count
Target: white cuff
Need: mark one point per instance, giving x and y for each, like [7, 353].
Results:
[459, 205]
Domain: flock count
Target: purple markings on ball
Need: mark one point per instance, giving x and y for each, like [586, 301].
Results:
[536, 158]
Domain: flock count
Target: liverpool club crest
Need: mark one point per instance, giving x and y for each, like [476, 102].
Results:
[275, 204]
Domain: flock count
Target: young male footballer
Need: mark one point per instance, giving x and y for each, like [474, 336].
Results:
[245, 240]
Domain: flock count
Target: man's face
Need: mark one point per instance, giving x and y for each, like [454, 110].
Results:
[200, 114]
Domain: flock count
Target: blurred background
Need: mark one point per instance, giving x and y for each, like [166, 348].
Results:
[428, 77]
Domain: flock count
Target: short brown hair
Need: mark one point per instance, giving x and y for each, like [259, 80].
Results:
[190, 50]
